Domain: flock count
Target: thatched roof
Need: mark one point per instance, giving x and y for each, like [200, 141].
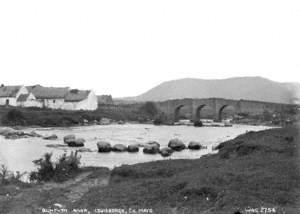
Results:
[23, 97]
[76, 95]
[41, 92]
[9, 91]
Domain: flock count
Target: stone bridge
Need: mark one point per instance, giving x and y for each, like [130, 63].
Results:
[193, 107]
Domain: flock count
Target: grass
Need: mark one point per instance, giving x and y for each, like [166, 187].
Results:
[16, 116]
[256, 169]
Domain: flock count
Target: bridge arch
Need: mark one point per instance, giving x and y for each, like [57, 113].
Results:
[223, 107]
[177, 112]
[198, 111]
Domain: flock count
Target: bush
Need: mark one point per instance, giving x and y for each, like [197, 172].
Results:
[14, 117]
[160, 119]
[149, 108]
[8, 177]
[58, 171]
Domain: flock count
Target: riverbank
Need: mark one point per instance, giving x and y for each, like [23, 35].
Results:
[42, 117]
[253, 171]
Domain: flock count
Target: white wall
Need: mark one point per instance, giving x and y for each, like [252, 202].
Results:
[53, 103]
[12, 101]
[90, 103]
[31, 102]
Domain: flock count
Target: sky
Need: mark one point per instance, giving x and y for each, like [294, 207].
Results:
[124, 48]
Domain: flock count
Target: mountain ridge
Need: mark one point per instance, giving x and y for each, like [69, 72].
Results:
[248, 88]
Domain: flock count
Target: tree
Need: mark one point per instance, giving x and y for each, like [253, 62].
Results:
[149, 108]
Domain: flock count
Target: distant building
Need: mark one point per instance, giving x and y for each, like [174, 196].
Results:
[48, 97]
[10, 94]
[80, 100]
[28, 100]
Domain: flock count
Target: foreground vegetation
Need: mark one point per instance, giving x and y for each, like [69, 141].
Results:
[254, 170]
[66, 167]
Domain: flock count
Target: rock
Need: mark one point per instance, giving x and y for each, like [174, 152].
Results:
[103, 146]
[121, 122]
[76, 143]
[16, 135]
[84, 150]
[166, 151]
[150, 149]
[10, 133]
[198, 124]
[193, 145]
[153, 143]
[50, 137]
[12, 136]
[34, 134]
[133, 148]
[6, 130]
[105, 121]
[56, 145]
[69, 138]
[176, 144]
[119, 148]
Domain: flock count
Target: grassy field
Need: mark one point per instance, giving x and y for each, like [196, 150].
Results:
[15, 116]
[256, 170]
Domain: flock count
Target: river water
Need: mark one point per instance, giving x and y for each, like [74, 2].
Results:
[18, 154]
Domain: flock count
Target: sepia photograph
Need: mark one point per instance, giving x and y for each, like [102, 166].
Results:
[149, 107]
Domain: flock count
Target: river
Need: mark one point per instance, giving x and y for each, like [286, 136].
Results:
[18, 154]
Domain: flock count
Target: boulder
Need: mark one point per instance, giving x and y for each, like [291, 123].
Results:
[13, 136]
[153, 143]
[6, 130]
[193, 145]
[103, 146]
[166, 151]
[121, 122]
[133, 148]
[50, 137]
[34, 134]
[76, 143]
[198, 124]
[119, 148]
[150, 149]
[176, 144]
[16, 135]
[69, 138]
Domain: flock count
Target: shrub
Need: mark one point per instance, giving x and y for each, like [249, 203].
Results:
[149, 108]
[14, 117]
[8, 177]
[58, 171]
[160, 119]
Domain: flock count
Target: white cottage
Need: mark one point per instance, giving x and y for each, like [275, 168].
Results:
[10, 94]
[80, 100]
[49, 97]
[64, 98]
[28, 100]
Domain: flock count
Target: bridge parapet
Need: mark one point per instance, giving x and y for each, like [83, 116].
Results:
[193, 107]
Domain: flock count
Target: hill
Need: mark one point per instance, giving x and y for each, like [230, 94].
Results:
[249, 88]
